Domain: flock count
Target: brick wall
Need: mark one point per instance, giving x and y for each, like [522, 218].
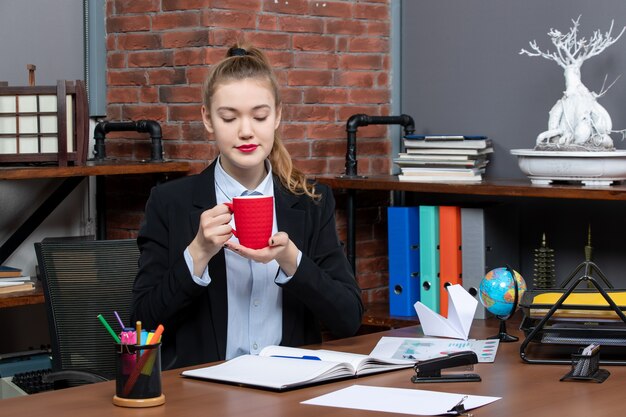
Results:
[332, 60]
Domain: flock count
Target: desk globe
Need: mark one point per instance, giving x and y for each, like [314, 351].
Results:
[500, 291]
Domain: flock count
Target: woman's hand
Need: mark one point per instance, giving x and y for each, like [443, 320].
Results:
[280, 248]
[213, 232]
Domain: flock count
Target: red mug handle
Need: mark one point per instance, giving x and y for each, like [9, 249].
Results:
[230, 207]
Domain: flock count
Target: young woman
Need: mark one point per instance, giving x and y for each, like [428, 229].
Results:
[216, 298]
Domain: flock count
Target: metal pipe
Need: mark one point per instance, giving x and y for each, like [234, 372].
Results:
[142, 126]
[354, 122]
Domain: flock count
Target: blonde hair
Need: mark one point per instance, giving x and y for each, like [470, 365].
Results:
[244, 62]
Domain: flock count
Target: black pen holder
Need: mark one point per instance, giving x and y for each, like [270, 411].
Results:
[138, 376]
[586, 368]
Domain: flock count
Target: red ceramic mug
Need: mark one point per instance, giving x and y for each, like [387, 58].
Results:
[254, 218]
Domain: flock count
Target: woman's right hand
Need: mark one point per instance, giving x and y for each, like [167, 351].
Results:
[213, 232]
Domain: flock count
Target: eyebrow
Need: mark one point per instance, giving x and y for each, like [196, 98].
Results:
[259, 107]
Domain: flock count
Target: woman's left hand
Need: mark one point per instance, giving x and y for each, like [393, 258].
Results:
[280, 248]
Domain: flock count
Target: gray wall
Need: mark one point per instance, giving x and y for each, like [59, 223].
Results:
[462, 72]
[47, 33]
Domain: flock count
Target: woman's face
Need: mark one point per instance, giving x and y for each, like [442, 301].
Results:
[243, 118]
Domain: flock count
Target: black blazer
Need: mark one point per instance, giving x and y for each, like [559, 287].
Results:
[322, 291]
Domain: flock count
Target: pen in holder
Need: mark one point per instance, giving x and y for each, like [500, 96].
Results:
[585, 366]
[138, 375]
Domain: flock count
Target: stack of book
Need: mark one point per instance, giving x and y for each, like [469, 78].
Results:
[12, 280]
[444, 158]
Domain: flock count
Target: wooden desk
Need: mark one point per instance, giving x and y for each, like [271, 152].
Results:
[526, 390]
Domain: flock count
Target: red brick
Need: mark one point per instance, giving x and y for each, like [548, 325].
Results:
[329, 147]
[360, 62]
[306, 77]
[185, 39]
[346, 111]
[291, 96]
[378, 29]
[185, 113]
[192, 151]
[196, 75]
[310, 113]
[135, 41]
[224, 37]
[183, 4]
[331, 9]
[150, 59]
[270, 40]
[122, 95]
[371, 11]
[375, 147]
[292, 131]
[267, 22]
[316, 60]
[345, 27]
[149, 95]
[311, 166]
[313, 42]
[166, 76]
[171, 131]
[193, 131]
[369, 96]
[300, 24]
[327, 131]
[214, 55]
[356, 78]
[114, 112]
[175, 20]
[126, 77]
[116, 59]
[292, 7]
[251, 5]
[369, 45]
[138, 112]
[180, 94]
[136, 6]
[298, 149]
[228, 19]
[189, 56]
[326, 95]
[280, 59]
[117, 24]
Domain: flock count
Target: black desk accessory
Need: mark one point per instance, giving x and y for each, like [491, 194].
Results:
[430, 370]
[544, 332]
[585, 366]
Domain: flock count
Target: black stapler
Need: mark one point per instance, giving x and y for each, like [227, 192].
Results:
[430, 370]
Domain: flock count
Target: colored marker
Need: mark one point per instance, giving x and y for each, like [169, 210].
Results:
[109, 329]
[119, 320]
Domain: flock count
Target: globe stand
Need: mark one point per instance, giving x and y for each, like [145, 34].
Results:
[502, 335]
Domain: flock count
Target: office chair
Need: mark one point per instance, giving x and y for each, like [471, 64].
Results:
[81, 279]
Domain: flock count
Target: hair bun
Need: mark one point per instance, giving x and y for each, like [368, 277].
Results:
[237, 52]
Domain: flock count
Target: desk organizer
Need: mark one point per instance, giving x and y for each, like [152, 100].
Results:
[44, 124]
[557, 322]
[586, 368]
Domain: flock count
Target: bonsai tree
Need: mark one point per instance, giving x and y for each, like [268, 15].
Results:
[577, 121]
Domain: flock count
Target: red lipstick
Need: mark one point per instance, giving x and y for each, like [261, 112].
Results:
[247, 148]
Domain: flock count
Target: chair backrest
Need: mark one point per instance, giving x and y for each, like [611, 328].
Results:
[81, 279]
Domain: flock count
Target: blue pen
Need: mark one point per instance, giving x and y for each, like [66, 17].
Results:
[311, 358]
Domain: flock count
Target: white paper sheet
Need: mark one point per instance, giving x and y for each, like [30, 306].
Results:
[461, 309]
[398, 400]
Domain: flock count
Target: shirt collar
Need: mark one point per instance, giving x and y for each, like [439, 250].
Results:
[227, 187]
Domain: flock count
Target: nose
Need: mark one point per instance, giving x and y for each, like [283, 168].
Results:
[245, 128]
